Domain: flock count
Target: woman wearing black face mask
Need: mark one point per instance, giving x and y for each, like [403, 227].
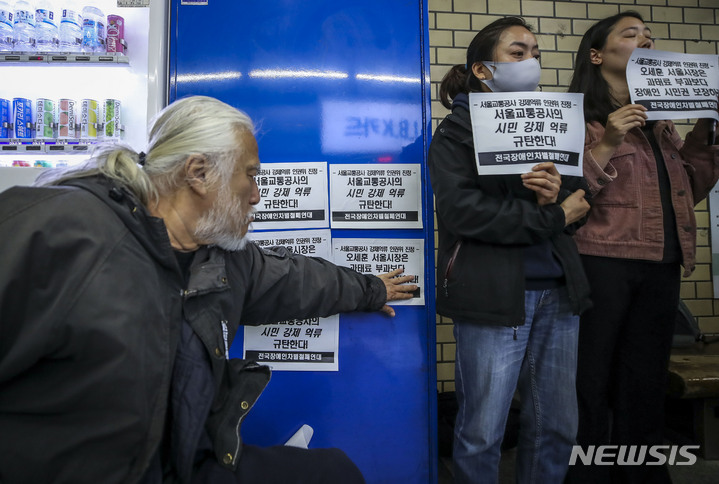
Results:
[508, 274]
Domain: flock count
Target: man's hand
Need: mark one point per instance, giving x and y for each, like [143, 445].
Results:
[396, 288]
[544, 180]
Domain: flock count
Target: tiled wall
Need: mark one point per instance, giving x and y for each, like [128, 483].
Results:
[679, 25]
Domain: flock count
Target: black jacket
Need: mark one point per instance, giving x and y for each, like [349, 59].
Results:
[484, 224]
[91, 308]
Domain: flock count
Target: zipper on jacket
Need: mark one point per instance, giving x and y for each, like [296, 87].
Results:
[450, 263]
[515, 332]
[225, 335]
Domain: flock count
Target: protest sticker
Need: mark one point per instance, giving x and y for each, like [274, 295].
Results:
[673, 85]
[292, 196]
[376, 196]
[310, 243]
[513, 131]
[379, 256]
[295, 344]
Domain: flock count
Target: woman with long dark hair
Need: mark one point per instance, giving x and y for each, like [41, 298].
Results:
[508, 274]
[644, 182]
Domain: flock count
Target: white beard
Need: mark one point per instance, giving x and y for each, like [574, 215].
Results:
[223, 225]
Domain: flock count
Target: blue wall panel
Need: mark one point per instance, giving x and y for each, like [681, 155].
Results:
[293, 67]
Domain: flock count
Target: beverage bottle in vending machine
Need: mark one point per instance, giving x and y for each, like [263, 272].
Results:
[111, 113]
[24, 26]
[22, 118]
[66, 120]
[5, 107]
[93, 29]
[6, 33]
[45, 118]
[70, 28]
[46, 32]
[115, 41]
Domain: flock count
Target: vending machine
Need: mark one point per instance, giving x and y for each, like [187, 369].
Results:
[67, 93]
[339, 94]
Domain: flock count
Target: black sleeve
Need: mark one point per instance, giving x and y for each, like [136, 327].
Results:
[467, 211]
[281, 285]
[571, 184]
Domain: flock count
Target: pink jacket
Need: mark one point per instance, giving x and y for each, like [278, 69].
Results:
[626, 217]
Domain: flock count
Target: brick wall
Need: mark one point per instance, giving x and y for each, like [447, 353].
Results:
[679, 25]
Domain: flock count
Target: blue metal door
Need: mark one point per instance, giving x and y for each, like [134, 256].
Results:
[296, 67]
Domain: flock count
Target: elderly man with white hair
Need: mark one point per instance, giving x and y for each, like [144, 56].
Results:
[122, 285]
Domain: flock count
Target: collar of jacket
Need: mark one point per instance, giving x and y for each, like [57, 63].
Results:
[208, 272]
[150, 231]
[459, 125]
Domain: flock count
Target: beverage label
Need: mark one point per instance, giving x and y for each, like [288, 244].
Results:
[4, 118]
[89, 33]
[71, 17]
[66, 119]
[44, 118]
[46, 16]
[93, 34]
[113, 119]
[22, 117]
[6, 17]
[88, 118]
[115, 34]
[24, 17]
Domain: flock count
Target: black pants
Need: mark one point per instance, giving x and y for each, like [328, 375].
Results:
[282, 465]
[624, 346]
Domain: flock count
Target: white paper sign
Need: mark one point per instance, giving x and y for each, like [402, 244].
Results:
[295, 345]
[379, 256]
[292, 196]
[310, 243]
[672, 85]
[376, 196]
[513, 131]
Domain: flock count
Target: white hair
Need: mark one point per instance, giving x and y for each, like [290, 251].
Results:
[192, 125]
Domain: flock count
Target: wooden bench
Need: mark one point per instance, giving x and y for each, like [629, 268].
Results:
[694, 375]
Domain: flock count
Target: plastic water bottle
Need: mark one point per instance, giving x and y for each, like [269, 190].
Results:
[6, 32]
[24, 26]
[46, 32]
[70, 32]
[93, 30]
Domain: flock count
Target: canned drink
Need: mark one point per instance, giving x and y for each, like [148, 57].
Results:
[44, 118]
[113, 119]
[4, 118]
[66, 119]
[115, 41]
[88, 118]
[22, 117]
